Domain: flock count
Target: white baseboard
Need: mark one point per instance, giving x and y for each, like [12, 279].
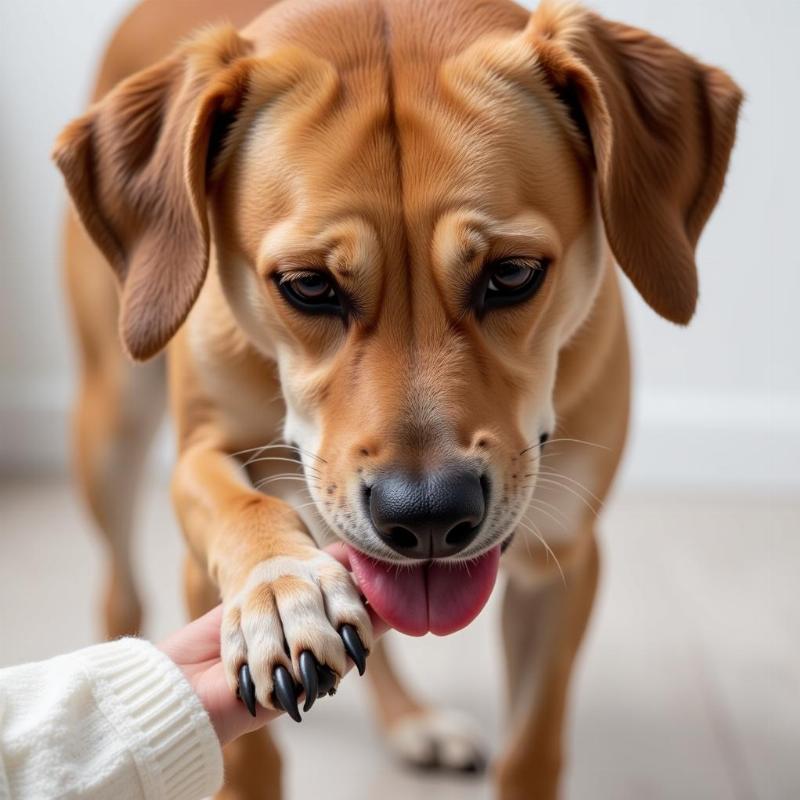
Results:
[678, 441]
[714, 442]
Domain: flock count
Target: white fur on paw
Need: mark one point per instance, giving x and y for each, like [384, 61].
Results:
[287, 606]
[438, 739]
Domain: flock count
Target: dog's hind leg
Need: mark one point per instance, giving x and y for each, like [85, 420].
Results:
[252, 762]
[119, 407]
[417, 734]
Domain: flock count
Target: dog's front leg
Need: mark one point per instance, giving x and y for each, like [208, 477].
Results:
[283, 597]
[544, 618]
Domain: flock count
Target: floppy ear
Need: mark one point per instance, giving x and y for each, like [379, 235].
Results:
[661, 126]
[136, 166]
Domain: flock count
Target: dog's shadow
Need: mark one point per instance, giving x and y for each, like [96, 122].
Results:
[395, 782]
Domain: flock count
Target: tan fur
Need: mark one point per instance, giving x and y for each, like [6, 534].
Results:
[399, 152]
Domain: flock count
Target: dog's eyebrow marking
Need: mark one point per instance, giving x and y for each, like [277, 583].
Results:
[463, 239]
[459, 240]
[353, 249]
[349, 248]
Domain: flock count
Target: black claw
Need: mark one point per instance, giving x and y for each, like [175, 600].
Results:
[285, 693]
[247, 689]
[308, 675]
[327, 680]
[354, 647]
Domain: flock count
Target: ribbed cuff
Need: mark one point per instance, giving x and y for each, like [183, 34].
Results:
[5, 791]
[158, 716]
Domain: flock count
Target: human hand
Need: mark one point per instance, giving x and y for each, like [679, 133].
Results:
[195, 649]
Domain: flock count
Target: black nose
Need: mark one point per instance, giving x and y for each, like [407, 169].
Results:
[428, 516]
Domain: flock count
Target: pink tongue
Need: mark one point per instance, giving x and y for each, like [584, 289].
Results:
[441, 598]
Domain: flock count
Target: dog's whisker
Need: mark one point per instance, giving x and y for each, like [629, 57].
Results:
[540, 458]
[307, 452]
[563, 439]
[267, 479]
[275, 444]
[304, 484]
[578, 441]
[527, 541]
[305, 505]
[547, 483]
[548, 454]
[252, 450]
[298, 496]
[528, 525]
[287, 475]
[286, 446]
[551, 506]
[275, 478]
[261, 450]
[574, 482]
[252, 461]
[558, 522]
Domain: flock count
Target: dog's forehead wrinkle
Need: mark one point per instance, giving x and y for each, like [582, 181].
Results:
[403, 240]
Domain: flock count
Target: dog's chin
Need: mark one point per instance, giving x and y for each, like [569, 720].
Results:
[439, 597]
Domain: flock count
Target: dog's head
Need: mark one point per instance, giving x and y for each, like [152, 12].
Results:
[412, 227]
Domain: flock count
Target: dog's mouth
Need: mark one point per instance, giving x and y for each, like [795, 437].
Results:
[440, 597]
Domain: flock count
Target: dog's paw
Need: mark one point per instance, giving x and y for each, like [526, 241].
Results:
[287, 633]
[435, 739]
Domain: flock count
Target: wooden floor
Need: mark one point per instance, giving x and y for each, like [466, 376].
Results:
[689, 686]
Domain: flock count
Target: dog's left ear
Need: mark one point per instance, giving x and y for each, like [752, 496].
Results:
[661, 126]
[137, 166]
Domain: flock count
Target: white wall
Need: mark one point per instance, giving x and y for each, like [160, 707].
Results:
[718, 405]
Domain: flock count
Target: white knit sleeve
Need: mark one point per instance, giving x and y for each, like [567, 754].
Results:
[116, 720]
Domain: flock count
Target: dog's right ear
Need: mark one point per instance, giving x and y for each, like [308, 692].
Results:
[661, 126]
[136, 165]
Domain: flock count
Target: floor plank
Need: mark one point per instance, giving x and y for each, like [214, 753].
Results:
[736, 590]
[688, 687]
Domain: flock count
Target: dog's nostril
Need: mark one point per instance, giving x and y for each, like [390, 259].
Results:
[402, 537]
[484, 481]
[460, 535]
[366, 493]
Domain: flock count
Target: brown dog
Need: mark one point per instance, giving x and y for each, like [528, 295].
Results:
[382, 232]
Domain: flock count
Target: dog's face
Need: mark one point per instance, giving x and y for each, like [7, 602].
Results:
[414, 244]
[415, 280]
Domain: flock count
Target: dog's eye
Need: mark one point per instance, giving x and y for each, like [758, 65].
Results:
[312, 288]
[312, 292]
[512, 280]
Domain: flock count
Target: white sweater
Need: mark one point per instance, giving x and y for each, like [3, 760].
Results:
[116, 720]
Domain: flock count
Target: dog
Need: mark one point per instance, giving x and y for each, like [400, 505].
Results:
[379, 241]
